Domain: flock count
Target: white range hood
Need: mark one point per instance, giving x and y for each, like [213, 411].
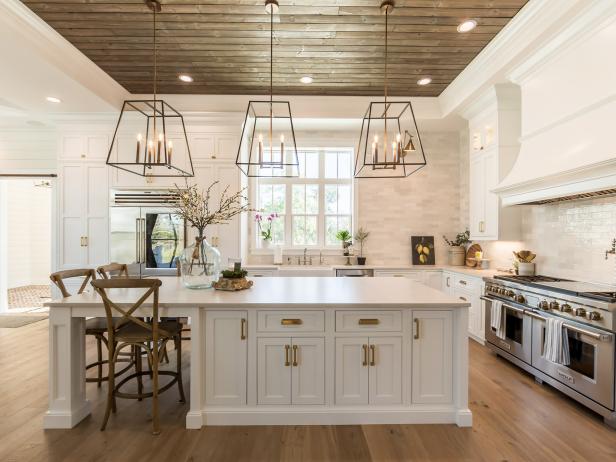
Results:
[568, 89]
[573, 157]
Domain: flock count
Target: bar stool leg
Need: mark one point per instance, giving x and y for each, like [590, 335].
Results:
[138, 367]
[155, 363]
[99, 357]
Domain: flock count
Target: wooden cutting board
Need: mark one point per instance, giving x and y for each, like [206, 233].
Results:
[470, 255]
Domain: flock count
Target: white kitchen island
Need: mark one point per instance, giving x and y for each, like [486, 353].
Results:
[293, 351]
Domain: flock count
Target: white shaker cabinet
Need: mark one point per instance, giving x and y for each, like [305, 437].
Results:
[368, 370]
[290, 370]
[83, 215]
[432, 364]
[225, 357]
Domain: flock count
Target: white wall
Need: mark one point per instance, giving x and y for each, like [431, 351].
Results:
[28, 233]
[27, 150]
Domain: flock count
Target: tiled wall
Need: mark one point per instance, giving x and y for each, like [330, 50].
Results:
[426, 203]
[570, 239]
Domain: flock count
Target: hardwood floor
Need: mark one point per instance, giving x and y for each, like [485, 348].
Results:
[514, 420]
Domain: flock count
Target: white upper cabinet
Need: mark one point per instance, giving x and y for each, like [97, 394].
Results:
[214, 146]
[84, 147]
[494, 130]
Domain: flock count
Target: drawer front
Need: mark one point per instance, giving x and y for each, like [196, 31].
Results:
[290, 321]
[260, 273]
[373, 321]
[469, 283]
[414, 275]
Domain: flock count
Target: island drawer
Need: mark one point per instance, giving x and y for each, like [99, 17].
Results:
[469, 283]
[286, 321]
[375, 321]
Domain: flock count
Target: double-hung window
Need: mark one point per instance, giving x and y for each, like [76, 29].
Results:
[313, 207]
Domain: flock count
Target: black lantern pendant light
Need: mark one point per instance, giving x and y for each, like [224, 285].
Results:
[389, 144]
[150, 136]
[267, 147]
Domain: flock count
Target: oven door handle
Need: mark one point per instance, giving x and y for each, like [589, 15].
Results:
[505, 305]
[595, 335]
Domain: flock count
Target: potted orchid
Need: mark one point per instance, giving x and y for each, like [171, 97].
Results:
[265, 223]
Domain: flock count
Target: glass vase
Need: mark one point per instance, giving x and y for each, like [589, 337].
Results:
[200, 265]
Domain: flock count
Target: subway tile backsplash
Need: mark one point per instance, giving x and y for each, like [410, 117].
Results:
[570, 238]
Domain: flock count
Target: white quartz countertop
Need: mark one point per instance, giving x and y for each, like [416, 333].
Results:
[454, 269]
[286, 292]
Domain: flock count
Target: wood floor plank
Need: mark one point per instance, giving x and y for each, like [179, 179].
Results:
[514, 419]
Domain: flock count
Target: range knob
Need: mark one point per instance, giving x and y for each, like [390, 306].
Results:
[580, 312]
[594, 315]
[543, 304]
[520, 298]
[510, 293]
[554, 305]
[502, 291]
[566, 308]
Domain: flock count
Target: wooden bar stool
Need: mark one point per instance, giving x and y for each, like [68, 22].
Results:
[136, 333]
[120, 270]
[97, 327]
[113, 270]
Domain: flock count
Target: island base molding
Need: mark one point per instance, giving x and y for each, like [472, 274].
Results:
[329, 416]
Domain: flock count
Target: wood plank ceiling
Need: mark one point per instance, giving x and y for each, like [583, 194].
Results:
[224, 44]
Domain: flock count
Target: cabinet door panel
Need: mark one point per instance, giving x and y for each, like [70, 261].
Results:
[98, 241]
[202, 146]
[351, 373]
[73, 254]
[97, 147]
[385, 376]
[477, 196]
[432, 380]
[491, 199]
[73, 147]
[308, 377]
[273, 373]
[225, 358]
[226, 146]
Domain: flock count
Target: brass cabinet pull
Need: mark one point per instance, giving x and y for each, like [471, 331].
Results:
[243, 329]
[372, 348]
[295, 355]
[463, 282]
[416, 321]
[398, 275]
[462, 298]
[286, 355]
[365, 349]
[368, 322]
[291, 322]
[447, 283]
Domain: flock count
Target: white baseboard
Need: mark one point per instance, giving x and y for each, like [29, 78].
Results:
[58, 419]
[354, 416]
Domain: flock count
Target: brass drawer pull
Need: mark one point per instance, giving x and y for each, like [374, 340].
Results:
[372, 361]
[463, 282]
[365, 349]
[368, 322]
[291, 322]
[243, 329]
[286, 355]
[416, 321]
[295, 355]
[462, 298]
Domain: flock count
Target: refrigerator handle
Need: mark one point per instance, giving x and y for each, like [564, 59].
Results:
[143, 241]
[137, 242]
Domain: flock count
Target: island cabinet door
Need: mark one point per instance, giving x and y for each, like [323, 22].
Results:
[274, 370]
[308, 370]
[351, 375]
[385, 370]
[432, 369]
[225, 357]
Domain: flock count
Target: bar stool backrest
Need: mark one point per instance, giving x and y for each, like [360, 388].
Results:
[107, 271]
[58, 279]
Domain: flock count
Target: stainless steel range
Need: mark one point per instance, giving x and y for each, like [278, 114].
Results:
[589, 312]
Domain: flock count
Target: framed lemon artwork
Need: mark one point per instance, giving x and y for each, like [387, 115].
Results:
[422, 250]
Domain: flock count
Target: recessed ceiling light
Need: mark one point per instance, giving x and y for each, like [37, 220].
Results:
[185, 78]
[53, 99]
[306, 79]
[467, 26]
[424, 81]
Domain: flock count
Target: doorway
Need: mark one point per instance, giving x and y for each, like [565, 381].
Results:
[25, 244]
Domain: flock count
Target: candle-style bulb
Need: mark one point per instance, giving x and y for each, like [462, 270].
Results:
[139, 137]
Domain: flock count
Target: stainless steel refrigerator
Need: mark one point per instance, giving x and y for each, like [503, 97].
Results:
[145, 233]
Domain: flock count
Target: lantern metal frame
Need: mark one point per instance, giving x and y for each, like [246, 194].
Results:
[368, 164]
[149, 169]
[160, 111]
[248, 165]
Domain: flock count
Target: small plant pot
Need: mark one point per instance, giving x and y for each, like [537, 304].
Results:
[361, 261]
[526, 269]
[457, 255]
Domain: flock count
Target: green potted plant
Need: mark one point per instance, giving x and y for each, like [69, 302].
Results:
[345, 237]
[457, 251]
[360, 236]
